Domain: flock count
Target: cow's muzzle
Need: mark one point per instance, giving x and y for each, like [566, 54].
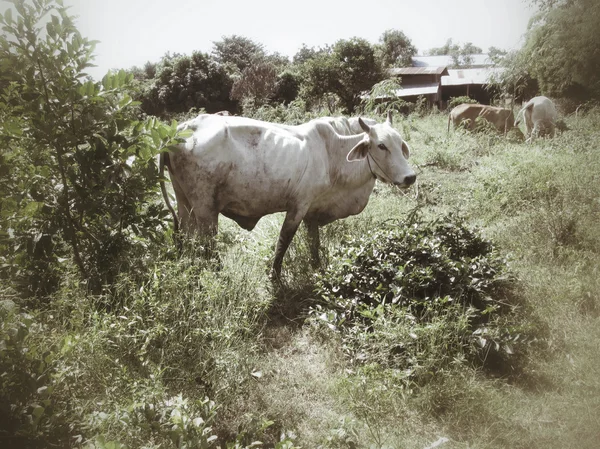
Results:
[408, 181]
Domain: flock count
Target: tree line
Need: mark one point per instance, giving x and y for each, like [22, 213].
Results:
[239, 74]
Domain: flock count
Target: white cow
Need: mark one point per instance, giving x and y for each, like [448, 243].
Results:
[540, 117]
[245, 169]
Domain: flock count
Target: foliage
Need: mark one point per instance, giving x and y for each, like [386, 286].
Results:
[257, 82]
[395, 49]
[346, 70]
[418, 296]
[561, 53]
[382, 97]
[287, 87]
[516, 81]
[461, 56]
[237, 53]
[28, 374]
[563, 49]
[358, 70]
[455, 101]
[142, 367]
[294, 113]
[184, 82]
[82, 168]
[306, 53]
[496, 55]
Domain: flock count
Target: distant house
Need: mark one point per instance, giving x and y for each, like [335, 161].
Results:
[420, 81]
[431, 77]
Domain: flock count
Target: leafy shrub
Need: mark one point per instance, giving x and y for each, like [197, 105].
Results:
[455, 101]
[294, 113]
[28, 376]
[81, 176]
[419, 296]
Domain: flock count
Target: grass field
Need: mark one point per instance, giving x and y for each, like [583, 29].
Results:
[196, 353]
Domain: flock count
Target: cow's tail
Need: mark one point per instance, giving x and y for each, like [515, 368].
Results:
[449, 118]
[529, 104]
[162, 162]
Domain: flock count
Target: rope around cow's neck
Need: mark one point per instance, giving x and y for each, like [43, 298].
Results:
[375, 176]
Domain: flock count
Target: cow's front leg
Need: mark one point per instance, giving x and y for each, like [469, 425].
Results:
[288, 230]
[314, 243]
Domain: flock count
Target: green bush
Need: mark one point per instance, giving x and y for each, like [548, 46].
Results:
[455, 101]
[419, 296]
[79, 177]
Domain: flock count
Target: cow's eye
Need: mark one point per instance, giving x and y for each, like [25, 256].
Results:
[382, 146]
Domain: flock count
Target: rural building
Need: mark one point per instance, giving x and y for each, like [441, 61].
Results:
[420, 81]
[431, 77]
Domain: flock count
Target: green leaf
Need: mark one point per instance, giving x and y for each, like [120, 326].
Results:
[107, 80]
[125, 101]
[121, 78]
[8, 17]
[162, 132]
[37, 413]
[32, 208]
[156, 137]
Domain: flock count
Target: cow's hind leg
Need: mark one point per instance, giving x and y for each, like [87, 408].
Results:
[288, 230]
[206, 226]
[314, 243]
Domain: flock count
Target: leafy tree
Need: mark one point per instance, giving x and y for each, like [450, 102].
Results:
[305, 54]
[78, 170]
[446, 49]
[185, 82]
[358, 70]
[461, 56]
[497, 55]
[345, 70]
[319, 78]
[287, 86]
[516, 81]
[395, 49]
[237, 53]
[257, 82]
[562, 48]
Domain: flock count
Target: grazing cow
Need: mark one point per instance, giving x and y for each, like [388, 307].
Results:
[540, 117]
[245, 169]
[501, 118]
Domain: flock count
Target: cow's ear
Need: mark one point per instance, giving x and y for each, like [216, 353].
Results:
[359, 152]
[405, 150]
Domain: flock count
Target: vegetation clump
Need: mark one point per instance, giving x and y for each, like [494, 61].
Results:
[420, 296]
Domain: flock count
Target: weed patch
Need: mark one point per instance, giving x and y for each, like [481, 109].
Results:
[423, 296]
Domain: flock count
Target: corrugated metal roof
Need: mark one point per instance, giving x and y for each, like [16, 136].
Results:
[462, 77]
[423, 89]
[401, 71]
[477, 60]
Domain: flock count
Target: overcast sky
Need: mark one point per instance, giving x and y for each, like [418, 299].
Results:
[132, 32]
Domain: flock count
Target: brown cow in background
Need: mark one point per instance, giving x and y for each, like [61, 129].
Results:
[502, 119]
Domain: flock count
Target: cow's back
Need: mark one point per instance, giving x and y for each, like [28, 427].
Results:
[465, 111]
[543, 110]
[249, 167]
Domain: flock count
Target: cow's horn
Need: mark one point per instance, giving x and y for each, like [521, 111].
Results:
[389, 117]
[363, 125]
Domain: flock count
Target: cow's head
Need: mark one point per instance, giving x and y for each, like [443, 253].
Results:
[387, 153]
